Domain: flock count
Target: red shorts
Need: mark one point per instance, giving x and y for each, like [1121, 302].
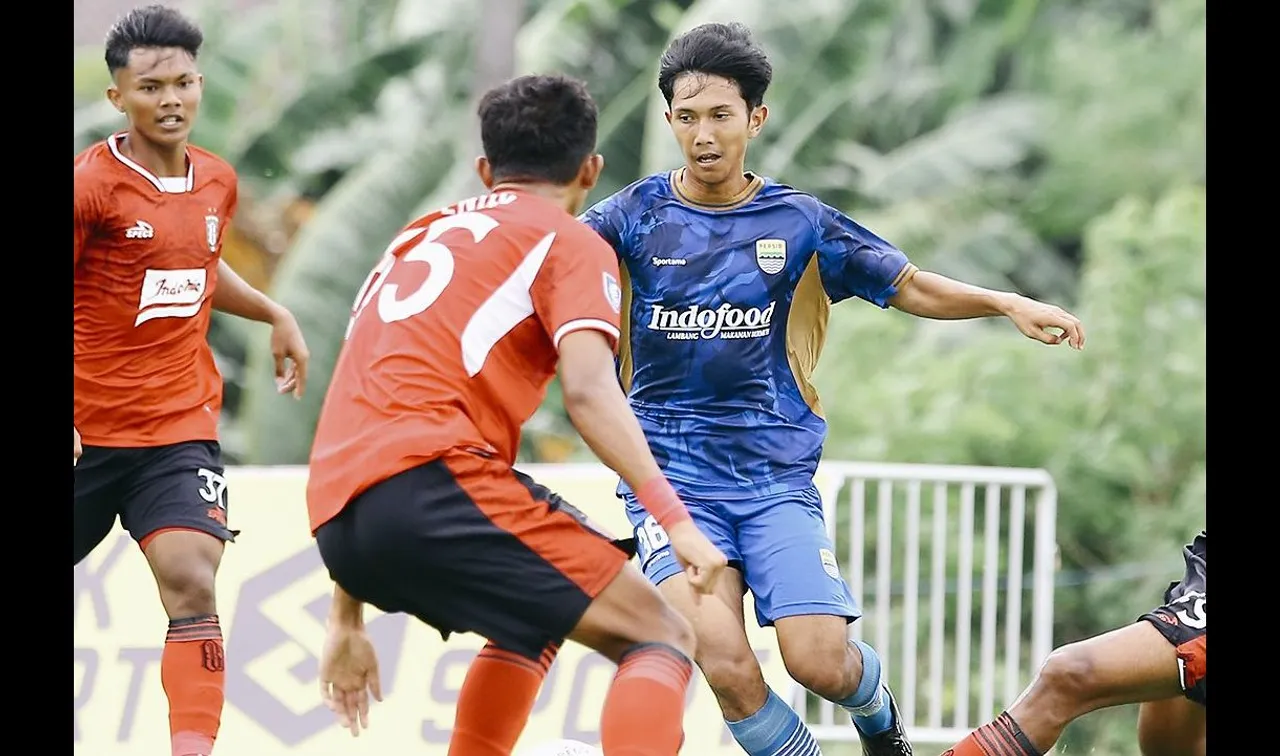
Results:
[468, 544]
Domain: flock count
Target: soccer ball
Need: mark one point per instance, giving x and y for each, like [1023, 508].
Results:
[562, 748]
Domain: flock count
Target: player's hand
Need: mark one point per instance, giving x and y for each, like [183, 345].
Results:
[702, 561]
[76, 449]
[1035, 319]
[349, 675]
[290, 352]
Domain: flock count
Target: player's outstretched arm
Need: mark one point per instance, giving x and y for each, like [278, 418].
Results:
[930, 295]
[600, 412]
[234, 296]
[348, 664]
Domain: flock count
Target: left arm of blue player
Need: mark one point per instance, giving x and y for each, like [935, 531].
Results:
[234, 296]
[931, 295]
[853, 261]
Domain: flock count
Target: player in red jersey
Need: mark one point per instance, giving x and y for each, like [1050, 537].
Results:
[150, 211]
[1160, 662]
[415, 505]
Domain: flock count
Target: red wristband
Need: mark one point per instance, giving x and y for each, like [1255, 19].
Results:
[660, 500]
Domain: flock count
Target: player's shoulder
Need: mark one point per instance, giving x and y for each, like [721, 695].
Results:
[644, 192]
[210, 163]
[779, 193]
[96, 168]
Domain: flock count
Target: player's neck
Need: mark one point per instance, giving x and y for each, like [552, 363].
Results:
[559, 195]
[161, 161]
[712, 194]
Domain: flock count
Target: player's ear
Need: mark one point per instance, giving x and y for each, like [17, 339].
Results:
[755, 122]
[590, 171]
[117, 101]
[667, 115]
[485, 171]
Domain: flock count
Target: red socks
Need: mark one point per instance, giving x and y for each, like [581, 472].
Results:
[194, 680]
[644, 710]
[496, 698]
[1001, 737]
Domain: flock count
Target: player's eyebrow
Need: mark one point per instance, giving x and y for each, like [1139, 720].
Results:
[713, 108]
[149, 79]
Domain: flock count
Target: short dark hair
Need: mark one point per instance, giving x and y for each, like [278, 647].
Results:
[150, 26]
[719, 50]
[538, 127]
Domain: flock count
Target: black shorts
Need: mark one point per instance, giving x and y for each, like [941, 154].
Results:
[467, 544]
[150, 489]
[1184, 619]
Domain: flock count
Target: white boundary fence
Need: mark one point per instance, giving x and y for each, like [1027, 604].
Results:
[956, 604]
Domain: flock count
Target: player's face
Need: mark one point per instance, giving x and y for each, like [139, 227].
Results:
[159, 91]
[712, 125]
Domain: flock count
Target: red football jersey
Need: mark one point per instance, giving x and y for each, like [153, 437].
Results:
[146, 263]
[453, 339]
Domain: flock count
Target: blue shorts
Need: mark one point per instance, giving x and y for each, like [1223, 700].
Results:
[779, 543]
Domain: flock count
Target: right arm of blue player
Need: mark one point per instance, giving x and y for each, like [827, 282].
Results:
[931, 295]
[348, 664]
[600, 412]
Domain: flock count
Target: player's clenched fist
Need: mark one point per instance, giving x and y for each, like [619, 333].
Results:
[702, 561]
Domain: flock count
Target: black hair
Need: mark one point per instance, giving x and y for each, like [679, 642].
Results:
[150, 26]
[725, 50]
[538, 127]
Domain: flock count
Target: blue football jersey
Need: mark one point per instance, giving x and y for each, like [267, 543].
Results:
[724, 316]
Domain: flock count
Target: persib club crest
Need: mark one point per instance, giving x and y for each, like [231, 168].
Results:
[211, 230]
[613, 292]
[771, 255]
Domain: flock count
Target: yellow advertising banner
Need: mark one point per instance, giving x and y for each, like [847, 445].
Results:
[273, 594]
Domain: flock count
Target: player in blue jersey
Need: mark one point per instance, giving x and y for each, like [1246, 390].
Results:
[728, 277]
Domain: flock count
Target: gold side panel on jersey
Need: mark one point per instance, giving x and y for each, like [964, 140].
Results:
[807, 332]
[624, 339]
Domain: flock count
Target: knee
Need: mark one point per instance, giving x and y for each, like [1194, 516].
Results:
[731, 669]
[187, 585]
[675, 631]
[823, 668]
[1066, 673]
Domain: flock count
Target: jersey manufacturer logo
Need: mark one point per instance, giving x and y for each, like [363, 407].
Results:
[771, 255]
[724, 322]
[170, 294]
[211, 229]
[140, 230]
[612, 292]
[659, 262]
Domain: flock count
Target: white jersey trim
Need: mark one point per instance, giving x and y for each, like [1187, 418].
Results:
[583, 324]
[168, 184]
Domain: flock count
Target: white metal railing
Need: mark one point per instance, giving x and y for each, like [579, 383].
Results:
[942, 690]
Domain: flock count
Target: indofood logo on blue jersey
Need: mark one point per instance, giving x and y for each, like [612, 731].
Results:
[724, 322]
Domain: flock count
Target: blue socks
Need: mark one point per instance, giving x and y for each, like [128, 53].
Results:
[869, 704]
[776, 730]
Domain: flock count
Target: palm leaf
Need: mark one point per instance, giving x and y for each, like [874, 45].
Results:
[318, 280]
[327, 100]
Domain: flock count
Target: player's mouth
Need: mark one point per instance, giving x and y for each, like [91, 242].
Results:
[171, 122]
[707, 160]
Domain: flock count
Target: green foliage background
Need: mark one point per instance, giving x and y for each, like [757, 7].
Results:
[1051, 147]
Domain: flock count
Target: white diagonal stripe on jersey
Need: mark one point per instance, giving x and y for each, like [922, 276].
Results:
[505, 309]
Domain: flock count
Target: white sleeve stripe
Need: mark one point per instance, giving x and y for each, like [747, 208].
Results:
[582, 323]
